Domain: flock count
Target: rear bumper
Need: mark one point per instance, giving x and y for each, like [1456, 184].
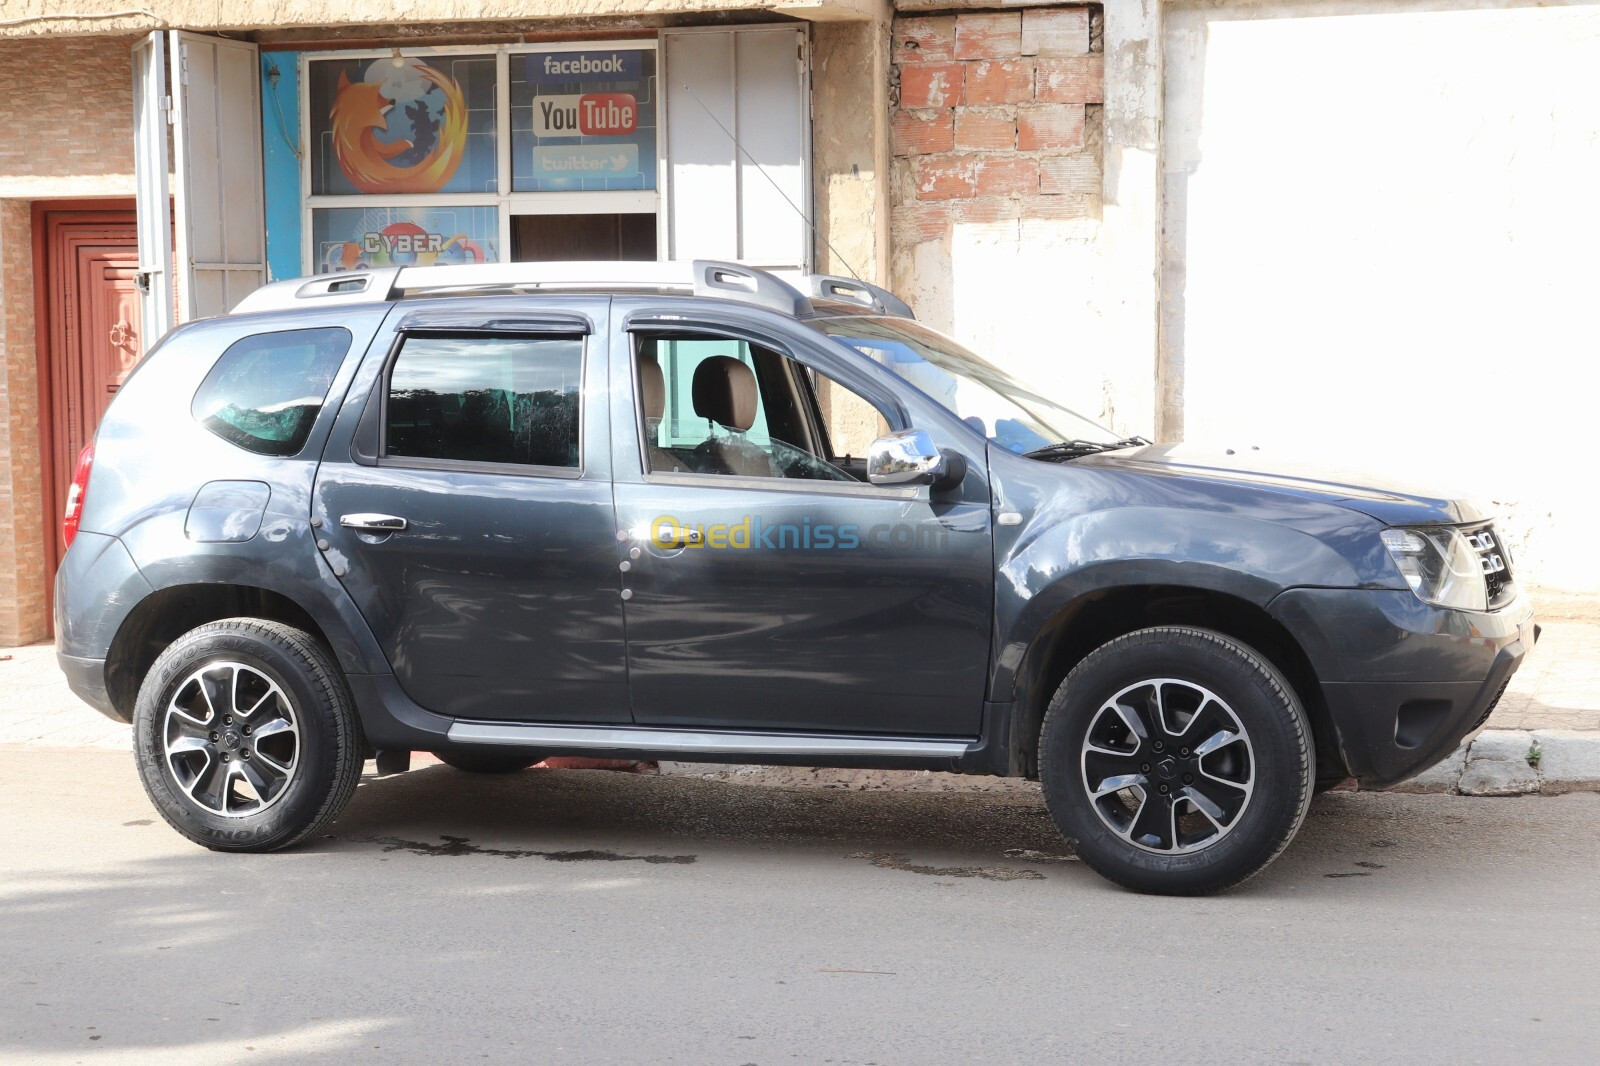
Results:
[1404, 682]
[87, 680]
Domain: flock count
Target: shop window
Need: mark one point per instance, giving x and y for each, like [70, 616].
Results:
[403, 125]
[552, 238]
[355, 238]
[583, 121]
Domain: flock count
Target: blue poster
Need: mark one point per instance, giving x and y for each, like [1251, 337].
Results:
[583, 121]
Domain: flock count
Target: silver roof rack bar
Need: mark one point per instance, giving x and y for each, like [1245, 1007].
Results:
[789, 293]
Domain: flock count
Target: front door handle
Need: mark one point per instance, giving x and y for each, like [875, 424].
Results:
[373, 523]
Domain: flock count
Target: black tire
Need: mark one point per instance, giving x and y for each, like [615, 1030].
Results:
[323, 755]
[486, 762]
[1272, 767]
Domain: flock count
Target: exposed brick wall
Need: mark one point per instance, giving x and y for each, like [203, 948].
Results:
[69, 133]
[22, 565]
[996, 117]
[69, 107]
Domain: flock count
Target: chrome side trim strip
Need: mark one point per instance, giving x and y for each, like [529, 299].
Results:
[615, 738]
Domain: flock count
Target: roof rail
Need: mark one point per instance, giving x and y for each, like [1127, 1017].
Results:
[853, 290]
[701, 277]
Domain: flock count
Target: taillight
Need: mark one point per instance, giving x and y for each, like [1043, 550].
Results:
[80, 485]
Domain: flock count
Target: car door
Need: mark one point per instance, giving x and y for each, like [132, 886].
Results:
[465, 503]
[785, 593]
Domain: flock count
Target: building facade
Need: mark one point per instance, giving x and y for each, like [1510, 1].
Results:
[1351, 228]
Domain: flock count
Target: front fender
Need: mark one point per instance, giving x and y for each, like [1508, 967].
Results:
[1058, 559]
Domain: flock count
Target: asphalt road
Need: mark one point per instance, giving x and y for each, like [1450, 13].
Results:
[583, 916]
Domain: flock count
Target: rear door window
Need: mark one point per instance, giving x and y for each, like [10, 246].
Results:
[264, 393]
[486, 399]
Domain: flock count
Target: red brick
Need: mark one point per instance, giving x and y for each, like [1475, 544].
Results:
[995, 35]
[987, 129]
[1062, 31]
[1008, 175]
[923, 132]
[924, 40]
[1065, 174]
[926, 220]
[932, 85]
[999, 82]
[1079, 80]
[1053, 208]
[923, 220]
[1044, 126]
[946, 177]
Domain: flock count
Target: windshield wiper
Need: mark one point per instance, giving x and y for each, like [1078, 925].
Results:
[1076, 449]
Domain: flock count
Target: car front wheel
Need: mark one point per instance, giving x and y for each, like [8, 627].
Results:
[1178, 759]
[245, 736]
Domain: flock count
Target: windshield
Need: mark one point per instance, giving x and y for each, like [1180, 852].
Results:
[975, 391]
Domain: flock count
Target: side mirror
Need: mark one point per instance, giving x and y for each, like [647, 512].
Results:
[909, 457]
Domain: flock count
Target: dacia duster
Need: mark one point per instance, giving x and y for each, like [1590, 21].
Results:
[701, 512]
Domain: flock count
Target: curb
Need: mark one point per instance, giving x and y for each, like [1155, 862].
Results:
[1516, 762]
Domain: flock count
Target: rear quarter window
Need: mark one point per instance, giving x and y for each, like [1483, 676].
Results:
[264, 393]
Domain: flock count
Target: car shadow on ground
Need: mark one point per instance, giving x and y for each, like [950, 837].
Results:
[596, 815]
[600, 816]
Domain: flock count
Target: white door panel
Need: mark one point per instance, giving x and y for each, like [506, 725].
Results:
[150, 110]
[221, 232]
[736, 165]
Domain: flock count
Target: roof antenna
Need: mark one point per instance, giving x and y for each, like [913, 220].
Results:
[814, 231]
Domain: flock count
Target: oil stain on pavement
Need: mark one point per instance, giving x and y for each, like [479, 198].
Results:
[988, 873]
[464, 846]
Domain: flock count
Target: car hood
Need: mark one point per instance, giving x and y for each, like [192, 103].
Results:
[1369, 494]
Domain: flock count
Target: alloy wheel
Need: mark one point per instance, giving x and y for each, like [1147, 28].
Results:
[231, 739]
[1168, 766]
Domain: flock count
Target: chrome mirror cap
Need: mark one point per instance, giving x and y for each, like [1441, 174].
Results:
[905, 457]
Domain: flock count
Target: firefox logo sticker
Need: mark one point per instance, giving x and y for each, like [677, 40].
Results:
[402, 128]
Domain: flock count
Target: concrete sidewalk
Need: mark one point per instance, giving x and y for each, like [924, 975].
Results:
[1544, 735]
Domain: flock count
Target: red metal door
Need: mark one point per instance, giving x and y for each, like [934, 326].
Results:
[89, 337]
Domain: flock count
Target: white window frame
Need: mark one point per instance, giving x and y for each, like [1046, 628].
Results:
[507, 202]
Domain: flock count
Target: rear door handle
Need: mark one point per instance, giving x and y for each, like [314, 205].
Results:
[373, 523]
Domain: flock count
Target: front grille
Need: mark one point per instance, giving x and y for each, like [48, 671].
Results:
[1496, 561]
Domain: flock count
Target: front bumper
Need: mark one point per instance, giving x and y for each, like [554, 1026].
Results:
[1404, 682]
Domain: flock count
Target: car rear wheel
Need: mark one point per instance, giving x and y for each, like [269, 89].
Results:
[1179, 760]
[484, 762]
[245, 736]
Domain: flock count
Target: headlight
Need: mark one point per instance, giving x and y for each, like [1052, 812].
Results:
[1439, 565]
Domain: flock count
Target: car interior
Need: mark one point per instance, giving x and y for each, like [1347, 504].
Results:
[719, 405]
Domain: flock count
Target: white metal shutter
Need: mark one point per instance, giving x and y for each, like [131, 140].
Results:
[736, 168]
[217, 114]
[150, 105]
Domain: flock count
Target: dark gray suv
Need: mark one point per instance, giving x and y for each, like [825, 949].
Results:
[697, 511]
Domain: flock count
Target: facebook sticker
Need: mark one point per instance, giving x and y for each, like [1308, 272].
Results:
[548, 68]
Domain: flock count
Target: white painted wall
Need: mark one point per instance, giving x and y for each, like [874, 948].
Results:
[1382, 246]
